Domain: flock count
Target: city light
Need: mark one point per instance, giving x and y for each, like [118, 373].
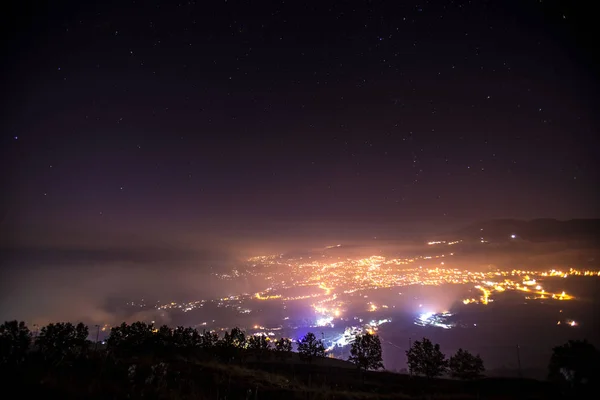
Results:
[439, 320]
[331, 286]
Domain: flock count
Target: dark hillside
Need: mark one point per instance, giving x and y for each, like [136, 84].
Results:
[101, 377]
[537, 230]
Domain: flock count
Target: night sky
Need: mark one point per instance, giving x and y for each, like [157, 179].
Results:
[174, 126]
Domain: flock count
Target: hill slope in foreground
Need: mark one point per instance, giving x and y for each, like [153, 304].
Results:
[100, 377]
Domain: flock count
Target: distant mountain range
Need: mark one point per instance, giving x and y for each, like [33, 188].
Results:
[537, 230]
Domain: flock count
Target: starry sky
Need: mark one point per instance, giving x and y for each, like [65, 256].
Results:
[172, 126]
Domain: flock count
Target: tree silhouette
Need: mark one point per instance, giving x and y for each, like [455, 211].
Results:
[125, 339]
[426, 359]
[283, 348]
[186, 337]
[63, 339]
[163, 337]
[232, 344]
[258, 342]
[209, 340]
[15, 340]
[283, 345]
[236, 339]
[464, 365]
[259, 345]
[310, 347]
[574, 365]
[365, 352]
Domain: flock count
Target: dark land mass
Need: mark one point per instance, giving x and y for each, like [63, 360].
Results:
[192, 375]
[539, 244]
[537, 230]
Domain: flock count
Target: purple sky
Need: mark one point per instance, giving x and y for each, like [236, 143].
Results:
[213, 129]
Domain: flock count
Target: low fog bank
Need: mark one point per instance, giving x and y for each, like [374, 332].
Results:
[94, 293]
[43, 284]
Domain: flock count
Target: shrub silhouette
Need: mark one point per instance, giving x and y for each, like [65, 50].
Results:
[310, 347]
[464, 365]
[575, 365]
[365, 352]
[62, 340]
[425, 358]
[15, 341]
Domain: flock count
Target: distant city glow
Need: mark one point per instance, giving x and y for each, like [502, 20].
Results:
[324, 321]
[332, 287]
[333, 279]
[425, 316]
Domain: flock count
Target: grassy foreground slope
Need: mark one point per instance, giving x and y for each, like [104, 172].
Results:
[194, 376]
